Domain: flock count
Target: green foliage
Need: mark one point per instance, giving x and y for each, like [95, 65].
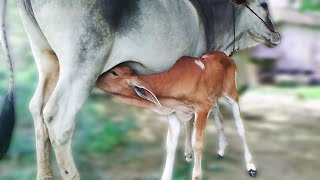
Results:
[106, 136]
[310, 5]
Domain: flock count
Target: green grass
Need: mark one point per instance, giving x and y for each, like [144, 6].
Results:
[310, 5]
[302, 92]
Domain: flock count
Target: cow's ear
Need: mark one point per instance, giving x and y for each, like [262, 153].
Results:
[145, 93]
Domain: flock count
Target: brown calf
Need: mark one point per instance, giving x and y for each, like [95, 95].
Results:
[190, 88]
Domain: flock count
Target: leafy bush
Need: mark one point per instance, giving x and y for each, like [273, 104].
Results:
[310, 5]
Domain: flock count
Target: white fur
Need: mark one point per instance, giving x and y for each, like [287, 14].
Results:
[218, 121]
[172, 140]
[200, 64]
[241, 131]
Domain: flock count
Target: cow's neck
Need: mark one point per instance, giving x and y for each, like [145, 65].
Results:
[223, 35]
[224, 38]
[219, 19]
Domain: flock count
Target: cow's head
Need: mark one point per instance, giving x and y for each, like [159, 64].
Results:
[259, 30]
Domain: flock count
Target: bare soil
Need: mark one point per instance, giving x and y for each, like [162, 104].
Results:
[283, 134]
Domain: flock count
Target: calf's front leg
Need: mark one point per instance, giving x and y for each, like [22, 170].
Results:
[172, 140]
[187, 145]
[197, 142]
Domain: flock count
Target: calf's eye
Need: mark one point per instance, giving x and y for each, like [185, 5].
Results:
[114, 73]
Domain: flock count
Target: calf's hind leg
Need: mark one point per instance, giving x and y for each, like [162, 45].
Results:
[219, 125]
[233, 101]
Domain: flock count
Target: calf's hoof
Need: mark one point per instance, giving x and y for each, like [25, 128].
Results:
[252, 170]
[188, 157]
[252, 173]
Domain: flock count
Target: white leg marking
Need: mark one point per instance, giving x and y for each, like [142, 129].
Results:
[241, 131]
[197, 143]
[188, 152]
[220, 127]
[197, 170]
[172, 140]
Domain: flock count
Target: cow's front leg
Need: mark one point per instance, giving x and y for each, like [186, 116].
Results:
[172, 140]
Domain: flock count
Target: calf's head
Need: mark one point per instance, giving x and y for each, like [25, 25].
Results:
[123, 81]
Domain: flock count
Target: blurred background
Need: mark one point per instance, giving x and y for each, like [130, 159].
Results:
[281, 109]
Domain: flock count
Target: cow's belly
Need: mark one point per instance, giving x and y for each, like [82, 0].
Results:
[150, 56]
[153, 38]
[158, 39]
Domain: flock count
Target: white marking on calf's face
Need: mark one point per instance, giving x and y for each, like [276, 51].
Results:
[200, 64]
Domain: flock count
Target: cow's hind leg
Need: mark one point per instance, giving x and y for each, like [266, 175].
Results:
[48, 68]
[220, 127]
[233, 101]
[60, 112]
[46, 84]
[80, 67]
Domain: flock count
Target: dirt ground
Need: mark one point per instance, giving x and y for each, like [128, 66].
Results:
[283, 134]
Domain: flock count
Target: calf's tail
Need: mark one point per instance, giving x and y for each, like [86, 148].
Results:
[7, 114]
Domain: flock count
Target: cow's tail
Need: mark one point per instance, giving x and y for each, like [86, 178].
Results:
[7, 114]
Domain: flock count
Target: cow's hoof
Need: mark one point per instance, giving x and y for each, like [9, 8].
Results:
[188, 157]
[252, 173]
[219, 156]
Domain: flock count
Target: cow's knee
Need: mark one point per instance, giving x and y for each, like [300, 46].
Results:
[49, 114]
[60, 131]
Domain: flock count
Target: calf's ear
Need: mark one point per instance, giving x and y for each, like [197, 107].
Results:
[146, 94]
